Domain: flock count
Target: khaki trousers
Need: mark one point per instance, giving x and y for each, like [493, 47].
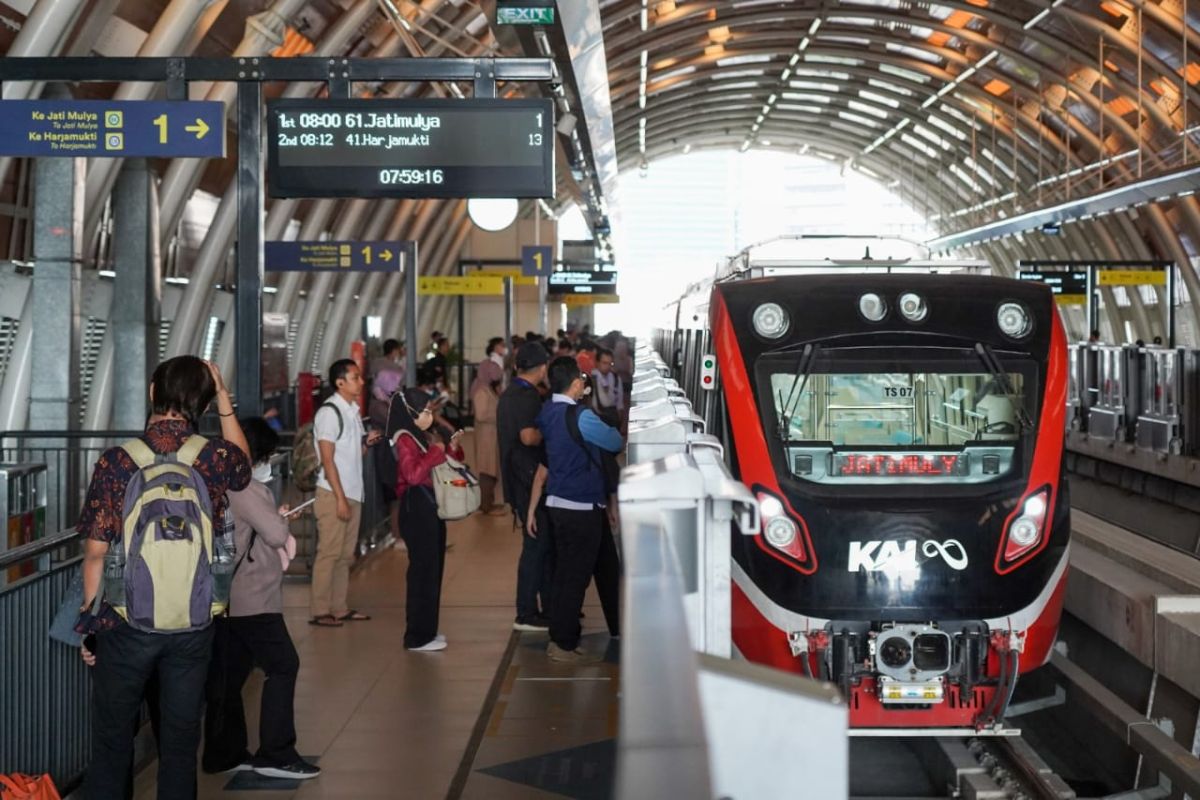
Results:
[336, 543]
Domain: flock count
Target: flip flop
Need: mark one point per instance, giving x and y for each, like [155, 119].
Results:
[325, 621]
[353, 616]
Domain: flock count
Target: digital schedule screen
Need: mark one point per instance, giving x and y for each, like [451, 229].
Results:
[478, 147]
[899, 465]
[582, 280]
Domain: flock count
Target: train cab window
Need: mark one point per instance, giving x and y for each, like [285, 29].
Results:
[854, 421]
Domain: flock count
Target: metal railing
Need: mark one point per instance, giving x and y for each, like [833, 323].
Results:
[45, 691]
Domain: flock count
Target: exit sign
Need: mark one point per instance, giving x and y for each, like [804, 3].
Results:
[525, 12]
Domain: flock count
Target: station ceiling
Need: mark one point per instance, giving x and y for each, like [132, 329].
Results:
[971, 110]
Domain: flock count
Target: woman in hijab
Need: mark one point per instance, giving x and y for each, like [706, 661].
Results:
[417, 453]
[485, 400]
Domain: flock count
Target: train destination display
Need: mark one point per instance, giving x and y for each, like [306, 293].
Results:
[478, 147]
[581, 280]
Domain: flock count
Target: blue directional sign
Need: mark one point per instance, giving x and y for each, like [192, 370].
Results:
[537, 261]
[334, 256]
[112, 128]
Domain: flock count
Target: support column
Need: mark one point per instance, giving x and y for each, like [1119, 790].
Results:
[58, 220]
[137, 293]
[411, 270]
[248, 315]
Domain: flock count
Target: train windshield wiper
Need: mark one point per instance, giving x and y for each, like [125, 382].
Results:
[804, 366]
[1004, 383]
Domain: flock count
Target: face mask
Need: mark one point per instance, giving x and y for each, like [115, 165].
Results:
[262, 472]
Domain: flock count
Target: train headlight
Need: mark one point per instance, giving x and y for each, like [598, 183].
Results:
[1014, 320]
[872, 307]
[913, 307]
[1026, 528]
[1024, 532]
[770, 506]
[780, 531]
[770, 320]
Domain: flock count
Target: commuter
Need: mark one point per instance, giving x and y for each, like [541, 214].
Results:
[339, 436]
[586, 358]
[521, 454]
[255, 635]
[1094, 336]
[439, 360]
[609, 398]
[387, 375]
[435, 397]
[565, 349]
[485, 399]
[1158, 340]
[417, 454]
[129, 656]
[581, 514]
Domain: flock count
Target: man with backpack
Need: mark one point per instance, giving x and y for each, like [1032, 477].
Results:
[155, 573]
[340, 439]
[578, 498]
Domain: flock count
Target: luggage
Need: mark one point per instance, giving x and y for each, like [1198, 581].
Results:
[306, 461]
[18, 786]
[165, 573]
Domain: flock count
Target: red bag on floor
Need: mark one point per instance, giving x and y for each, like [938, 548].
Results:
[27, 787]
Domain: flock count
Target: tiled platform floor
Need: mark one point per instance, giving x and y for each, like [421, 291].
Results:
[387, 723]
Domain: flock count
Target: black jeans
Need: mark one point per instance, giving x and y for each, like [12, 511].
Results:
[240, 645]
[584, 548]
[126, 659]
[425, 535]
[535, 569]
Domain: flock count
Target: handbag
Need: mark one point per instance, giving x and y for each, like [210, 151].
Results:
[456, 490]
[27, 787]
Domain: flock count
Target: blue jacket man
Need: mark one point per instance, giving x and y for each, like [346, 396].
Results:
[577, 499]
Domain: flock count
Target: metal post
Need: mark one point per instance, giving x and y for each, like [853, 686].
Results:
[1141, 122]
[411, 265]
[462, 338]
[248, 301]
[137, 293]
[508, 309]
[1172, 271]
[1093, 304]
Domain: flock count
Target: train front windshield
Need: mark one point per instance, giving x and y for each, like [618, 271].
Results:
[856, 417]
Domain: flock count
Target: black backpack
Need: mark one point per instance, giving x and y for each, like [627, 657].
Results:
[608, 465]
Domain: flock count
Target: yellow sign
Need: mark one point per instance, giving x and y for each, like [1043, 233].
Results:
[1133, 277]
[1071, 299]
[469, 285]
[590, 299]
[506, 272]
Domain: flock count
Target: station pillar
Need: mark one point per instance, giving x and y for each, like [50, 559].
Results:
[137, 293]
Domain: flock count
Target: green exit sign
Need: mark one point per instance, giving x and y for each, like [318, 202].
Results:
[525, 12]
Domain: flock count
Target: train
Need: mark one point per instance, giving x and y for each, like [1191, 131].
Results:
[903, 431]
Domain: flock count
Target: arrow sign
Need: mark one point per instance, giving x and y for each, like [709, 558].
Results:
[386, 255]
[317, 256]
[112, 128]
[200, 128]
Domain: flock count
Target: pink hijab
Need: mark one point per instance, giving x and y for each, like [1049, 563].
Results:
[487, 372]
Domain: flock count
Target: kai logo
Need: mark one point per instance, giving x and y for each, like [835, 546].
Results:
[895, 555]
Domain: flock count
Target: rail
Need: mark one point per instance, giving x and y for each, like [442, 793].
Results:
[36, 549]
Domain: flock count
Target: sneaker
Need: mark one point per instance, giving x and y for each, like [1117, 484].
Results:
[576, 656]
[432, 646]
[534, 623]
[298, 771]
[244, 766]
[440, 638]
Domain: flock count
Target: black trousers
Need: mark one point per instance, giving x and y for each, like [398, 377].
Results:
[425, 535]
[535, 569]
[126, 659]
[584, 549]
[239, 645]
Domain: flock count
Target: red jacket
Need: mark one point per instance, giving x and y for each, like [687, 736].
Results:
[414, 466]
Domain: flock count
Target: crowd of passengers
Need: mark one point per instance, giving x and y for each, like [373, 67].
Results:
[186, 546]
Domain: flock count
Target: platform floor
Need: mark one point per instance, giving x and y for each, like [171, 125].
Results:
[489, 717]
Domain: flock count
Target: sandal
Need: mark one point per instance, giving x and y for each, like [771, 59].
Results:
[353, 616]
[325, 621]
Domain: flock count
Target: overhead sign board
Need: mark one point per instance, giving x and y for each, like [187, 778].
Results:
[525, 12]
[1070, 287]
[512, 273]
[112, 129]
[479, 147]
[537, 260]
[1132, 277]
[316, 256]
[590, 299]
[565, 280]
[456, 285]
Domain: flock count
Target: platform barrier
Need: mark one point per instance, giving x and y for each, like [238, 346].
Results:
[696, 722]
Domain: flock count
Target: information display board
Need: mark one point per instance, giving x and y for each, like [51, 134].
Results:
[566, 280]
[112, 128]
[1070, 286]
[460, 285]
[317, 256]
[479, 147]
